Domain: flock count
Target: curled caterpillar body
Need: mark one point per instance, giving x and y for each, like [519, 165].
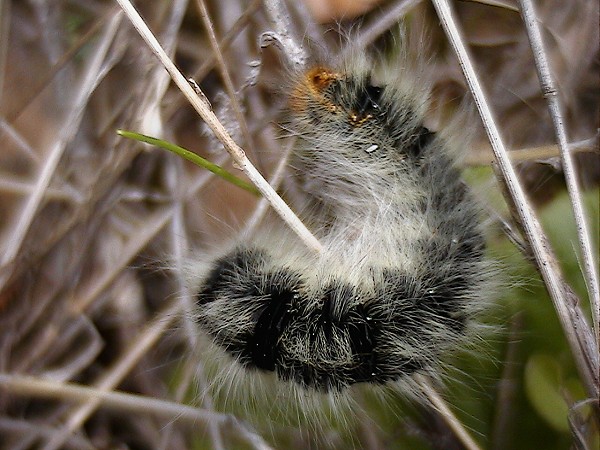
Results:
[403, 271]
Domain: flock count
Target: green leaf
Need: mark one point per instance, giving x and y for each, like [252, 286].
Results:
[543, 382]
[191, 156]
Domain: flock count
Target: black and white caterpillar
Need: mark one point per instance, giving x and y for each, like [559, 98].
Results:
[402, 275]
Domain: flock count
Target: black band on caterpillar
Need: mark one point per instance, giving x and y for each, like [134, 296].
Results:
[367, 324]
[403, 268]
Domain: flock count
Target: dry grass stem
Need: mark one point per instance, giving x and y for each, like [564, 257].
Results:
[261, 208]
[225, 75]
[43, 388]
[484, 155]
[284, 32]
[62, 62]
[210, 62]
[441, 406]
[550, 92]
[497, 3]
[574, 326]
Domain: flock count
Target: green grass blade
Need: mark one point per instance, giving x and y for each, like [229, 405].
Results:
[190, 156]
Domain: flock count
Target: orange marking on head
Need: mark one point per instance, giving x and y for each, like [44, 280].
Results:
[319, 78]
[312, 88]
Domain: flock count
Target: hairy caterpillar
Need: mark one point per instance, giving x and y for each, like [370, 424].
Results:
[403, 273]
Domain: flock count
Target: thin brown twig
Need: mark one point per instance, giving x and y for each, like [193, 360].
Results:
[226, 76]
[507, 388]
[209, 63]
[441, 406]
[44, 388]
[484, 155]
